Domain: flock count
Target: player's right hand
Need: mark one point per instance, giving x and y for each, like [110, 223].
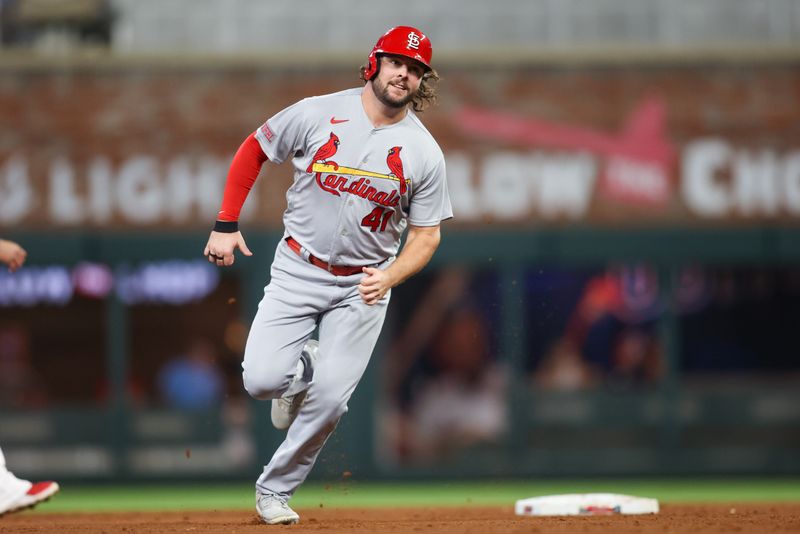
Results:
[220, 247]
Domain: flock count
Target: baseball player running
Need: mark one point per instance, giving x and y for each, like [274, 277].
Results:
[365, 168]
[15, 493]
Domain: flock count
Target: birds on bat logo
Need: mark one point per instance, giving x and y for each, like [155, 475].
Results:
[325, 152]
[354, 180]
[396, 166]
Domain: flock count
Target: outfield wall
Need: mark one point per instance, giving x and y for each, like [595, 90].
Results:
[144, 147]
[623, 264]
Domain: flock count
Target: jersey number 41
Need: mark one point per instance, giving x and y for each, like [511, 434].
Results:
[378, 217]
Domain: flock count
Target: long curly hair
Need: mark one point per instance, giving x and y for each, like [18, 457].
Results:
[426, 94]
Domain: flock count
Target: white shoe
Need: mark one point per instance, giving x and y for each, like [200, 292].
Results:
[17, 494]
[285, 409]
[273, 509]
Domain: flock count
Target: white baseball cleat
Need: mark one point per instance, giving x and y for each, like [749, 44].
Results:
[273, 510]
[17, 494]
[285, 409]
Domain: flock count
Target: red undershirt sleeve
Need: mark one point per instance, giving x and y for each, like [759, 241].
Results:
[241, 176]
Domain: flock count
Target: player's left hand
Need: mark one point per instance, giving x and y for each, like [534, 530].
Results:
[374, 286]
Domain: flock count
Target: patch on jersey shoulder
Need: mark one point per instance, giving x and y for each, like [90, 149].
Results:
[266, 132]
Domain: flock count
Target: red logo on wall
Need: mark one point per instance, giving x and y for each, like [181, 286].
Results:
[637, 161]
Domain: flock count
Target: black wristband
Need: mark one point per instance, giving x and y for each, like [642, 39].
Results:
[226, 227]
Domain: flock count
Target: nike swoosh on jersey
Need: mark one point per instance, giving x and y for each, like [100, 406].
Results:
[334, 120]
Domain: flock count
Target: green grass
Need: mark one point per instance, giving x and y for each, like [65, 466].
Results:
[355, 494]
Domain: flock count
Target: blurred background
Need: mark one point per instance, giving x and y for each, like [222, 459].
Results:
[617, 294]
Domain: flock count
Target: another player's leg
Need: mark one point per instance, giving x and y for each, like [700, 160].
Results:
[18, 494]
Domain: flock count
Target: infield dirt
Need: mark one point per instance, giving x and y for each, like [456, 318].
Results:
[738, 518]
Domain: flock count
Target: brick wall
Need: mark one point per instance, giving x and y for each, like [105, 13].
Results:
[143, 146]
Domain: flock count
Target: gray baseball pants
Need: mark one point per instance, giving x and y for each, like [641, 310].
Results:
[298, 297]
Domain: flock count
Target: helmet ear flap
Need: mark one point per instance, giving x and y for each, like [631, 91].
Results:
[372, 66]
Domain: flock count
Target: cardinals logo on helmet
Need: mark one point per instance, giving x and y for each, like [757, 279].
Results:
[413, 40]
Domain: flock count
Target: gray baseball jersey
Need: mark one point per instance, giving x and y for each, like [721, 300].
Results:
[355, 186]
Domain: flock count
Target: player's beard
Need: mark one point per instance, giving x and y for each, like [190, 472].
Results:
[381, 91]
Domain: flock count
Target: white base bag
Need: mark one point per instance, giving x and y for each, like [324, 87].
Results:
[586, 504]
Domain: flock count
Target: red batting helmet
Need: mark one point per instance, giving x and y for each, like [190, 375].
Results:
[401, 41]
